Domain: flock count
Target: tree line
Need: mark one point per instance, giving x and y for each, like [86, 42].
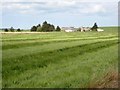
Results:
[46, 27]
[12, 30]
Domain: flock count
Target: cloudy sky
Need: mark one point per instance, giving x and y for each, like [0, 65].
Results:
[77, 13]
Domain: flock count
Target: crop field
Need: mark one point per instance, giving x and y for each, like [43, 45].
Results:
[58, 59]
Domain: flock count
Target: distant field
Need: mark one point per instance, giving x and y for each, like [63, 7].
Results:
[58, 59]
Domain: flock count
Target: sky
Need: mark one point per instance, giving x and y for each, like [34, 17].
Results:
[64, 13]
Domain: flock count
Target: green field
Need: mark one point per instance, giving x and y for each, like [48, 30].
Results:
[58, 59]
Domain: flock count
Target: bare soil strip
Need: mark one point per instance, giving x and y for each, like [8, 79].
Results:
[110, 80]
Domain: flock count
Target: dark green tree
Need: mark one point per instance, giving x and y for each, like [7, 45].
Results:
[33, 29]
[12, 29]
[50, 28]
[53, 27]
[58, 28]
[38, 25]
[6, 30]
[45, 26]
[95, 27]
[18, 30]
[45, 22]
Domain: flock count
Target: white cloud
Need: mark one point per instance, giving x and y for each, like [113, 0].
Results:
[98, 8]
[60, 3]
[16, 6]
[58, 6]
[61, 0]
[60, 11]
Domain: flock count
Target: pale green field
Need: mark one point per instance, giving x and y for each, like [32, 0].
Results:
[58, 59]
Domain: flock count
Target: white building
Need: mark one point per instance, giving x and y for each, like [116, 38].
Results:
[100, 30]
[85, 29]
[69, 29]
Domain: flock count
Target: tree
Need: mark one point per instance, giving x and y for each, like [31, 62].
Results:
[50, 28]
[12, 29]
[38, 25]
[45, 22]
[34, 28]
[95, 27]
[39, 29]
[6, 30]
[45, 26]
[58, 28]
[18, 30]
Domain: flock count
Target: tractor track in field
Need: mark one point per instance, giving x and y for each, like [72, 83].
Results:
[43, 42]
[79, 50]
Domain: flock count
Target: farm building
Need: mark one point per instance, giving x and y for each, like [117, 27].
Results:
[81, 29]
[100, 30]
[69, 29]
[85, 29]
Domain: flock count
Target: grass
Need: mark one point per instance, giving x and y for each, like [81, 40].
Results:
[58, 59]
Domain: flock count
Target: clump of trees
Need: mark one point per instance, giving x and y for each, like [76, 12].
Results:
[12, 30]
[95, 27]
[46, 27]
